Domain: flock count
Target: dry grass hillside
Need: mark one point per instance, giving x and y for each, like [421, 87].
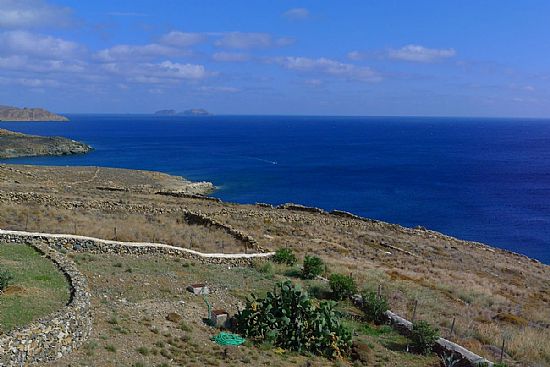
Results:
[491, 294]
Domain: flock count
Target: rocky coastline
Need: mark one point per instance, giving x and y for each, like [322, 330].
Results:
[14, 145]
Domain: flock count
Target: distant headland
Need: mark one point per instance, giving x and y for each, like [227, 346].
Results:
[9, 113]
[191, 112]
[13, 145]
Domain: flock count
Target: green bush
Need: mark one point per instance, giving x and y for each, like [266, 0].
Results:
[5, 279]
[342, 286]
[375, 306]
[313, 266]
[263, 267]
[423, 336]
[288, 319]
[284, 256]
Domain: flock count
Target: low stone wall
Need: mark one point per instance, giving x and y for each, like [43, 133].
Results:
[203, 220]
[64, 242]
[301, 208]
[57, 334]
[177, 194]
[442, 346]
[60, 333]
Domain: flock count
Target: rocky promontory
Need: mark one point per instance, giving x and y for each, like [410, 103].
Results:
[14, 145]
[8, 113]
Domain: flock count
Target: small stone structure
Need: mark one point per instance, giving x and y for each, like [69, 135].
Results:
[198, 289]
[219, 318]
[57, 334]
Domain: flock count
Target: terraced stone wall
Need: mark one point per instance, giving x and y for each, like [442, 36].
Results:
[57, 334]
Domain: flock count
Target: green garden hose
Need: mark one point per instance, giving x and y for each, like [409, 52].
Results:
[224, 338]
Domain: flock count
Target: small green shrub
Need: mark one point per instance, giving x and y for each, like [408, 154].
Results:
[375, 306]
[5, 279]
[313, 266]
[263, 267]
[143, 351]
[284, 255]
[342, 286]
[319, 291]
[423, 336]
[110, 348]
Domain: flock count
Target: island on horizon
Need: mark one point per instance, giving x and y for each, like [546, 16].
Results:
[190, 112]
[10, 113]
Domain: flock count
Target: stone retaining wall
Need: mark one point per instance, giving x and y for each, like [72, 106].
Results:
[188, 196]
[201, 219]
[57, 334]
[301, 208]
[442, 346]
[64, 242]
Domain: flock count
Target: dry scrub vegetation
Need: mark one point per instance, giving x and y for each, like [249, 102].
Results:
[491, 294]
[118, 225]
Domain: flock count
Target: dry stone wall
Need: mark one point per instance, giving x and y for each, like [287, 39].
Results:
[201, 219]
[57, 334]
[442, 346]
[60, 333]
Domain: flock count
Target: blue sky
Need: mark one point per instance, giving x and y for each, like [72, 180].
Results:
[319, 57]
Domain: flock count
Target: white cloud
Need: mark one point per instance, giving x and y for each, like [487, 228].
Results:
[139, 52]
[355, 55]
[284, 41]
[182, 39]
[182, 71]
[29, 64]
[313, 82]
[230, 56]
[163, 73]
[172, 44]
[220, 89]
[242, 40]
[330, 67]
[126, 14]
[26, 43]
[32, 14]
[30, 82]
[297, 14]
[416, 53]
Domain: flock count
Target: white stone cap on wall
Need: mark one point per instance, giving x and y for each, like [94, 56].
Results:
[137, 244]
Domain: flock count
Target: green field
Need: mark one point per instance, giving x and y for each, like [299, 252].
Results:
[38, 288]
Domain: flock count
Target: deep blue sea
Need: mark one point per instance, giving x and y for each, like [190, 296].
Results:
[478, 179]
